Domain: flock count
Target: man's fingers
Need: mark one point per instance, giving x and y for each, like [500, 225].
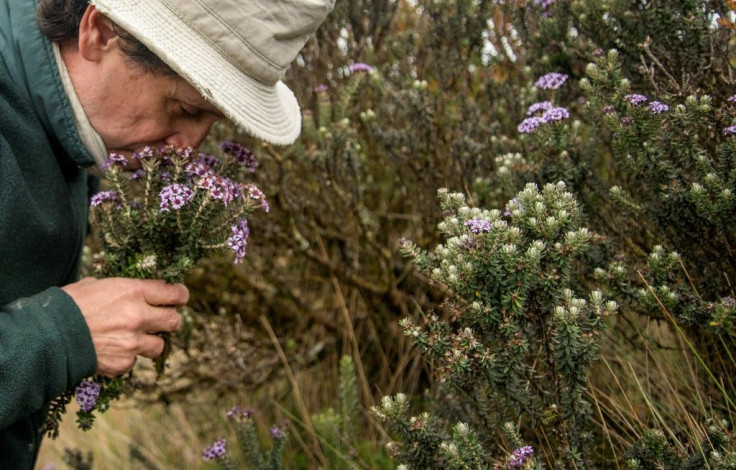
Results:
[162, 320]
[156, 292]
[151, 346]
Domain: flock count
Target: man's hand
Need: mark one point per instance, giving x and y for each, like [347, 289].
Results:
[124, 315]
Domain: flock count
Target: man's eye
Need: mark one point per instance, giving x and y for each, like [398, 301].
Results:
[189, 112]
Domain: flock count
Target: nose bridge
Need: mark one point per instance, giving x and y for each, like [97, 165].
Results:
[190, 133]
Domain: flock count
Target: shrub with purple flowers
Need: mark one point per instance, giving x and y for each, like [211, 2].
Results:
[182, 207]
[252, 456]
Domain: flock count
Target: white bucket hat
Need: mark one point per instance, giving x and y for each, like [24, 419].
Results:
[235, 52]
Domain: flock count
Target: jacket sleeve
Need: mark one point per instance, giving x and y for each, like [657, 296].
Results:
[45, 350]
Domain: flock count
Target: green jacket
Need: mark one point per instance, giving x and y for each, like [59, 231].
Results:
[45, 345]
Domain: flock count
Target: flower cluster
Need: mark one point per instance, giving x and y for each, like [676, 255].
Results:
[360, 67]
[87, 393]
[636, 99]
[158, 222]
[551, 81]
[551, 115]
[215, 451]
[519, 457]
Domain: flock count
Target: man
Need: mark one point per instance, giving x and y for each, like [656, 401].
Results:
[84, 81]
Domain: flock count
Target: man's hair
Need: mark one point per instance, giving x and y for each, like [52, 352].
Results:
[59, 21]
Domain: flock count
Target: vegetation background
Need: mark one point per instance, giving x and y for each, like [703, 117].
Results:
[328, 273]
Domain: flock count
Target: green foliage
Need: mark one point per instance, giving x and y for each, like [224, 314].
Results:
[518, 343]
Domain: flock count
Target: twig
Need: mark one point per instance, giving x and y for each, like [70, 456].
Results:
[295, 388]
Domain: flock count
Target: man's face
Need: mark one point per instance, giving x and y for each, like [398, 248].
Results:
[130, 108]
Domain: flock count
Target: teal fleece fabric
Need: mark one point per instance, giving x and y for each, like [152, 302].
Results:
[45, 345]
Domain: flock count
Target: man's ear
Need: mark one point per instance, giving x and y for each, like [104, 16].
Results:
[97, 35]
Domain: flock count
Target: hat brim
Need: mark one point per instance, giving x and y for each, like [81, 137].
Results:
[268, 112]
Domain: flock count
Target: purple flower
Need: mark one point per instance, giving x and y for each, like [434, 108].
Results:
[730, 130]
[657, 107]
[479, 225]
[103, 196]
[626, 121]
[554, 115]
[636, 99]
[359, 67]
[321, 88]
[238, 241]
[136, 175]
[145, 152]
[207, 159]
[551, 81]
[608, 109]
[544, 3]
[541, 106]
[257, 195]
[529, 125]
[237, 412]
[513, 204]
[731, 99]
[214, 451]
[115, 159]
[277, 433]
[219, 187]
[198, 169]
[175, 196]
[241, 155]
[87, 393]
[519, 456]
[728, 302]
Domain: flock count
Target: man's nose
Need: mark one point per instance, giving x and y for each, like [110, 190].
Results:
[191, 133]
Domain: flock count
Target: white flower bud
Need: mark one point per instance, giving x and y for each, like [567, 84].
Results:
[509, 248]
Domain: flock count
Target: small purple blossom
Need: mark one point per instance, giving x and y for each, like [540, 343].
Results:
[479, 225]
[627, 121]
[277, 433]
[519, 457]
[87, 393]
[551, 81]
[636, 99]
[544, 3]
[219, 187]
[175, 196]
[730, 130]
[115, 159]
[728, 302]
[657, 107]
[541, 106]
[608, 109]
[529, 125]
[198, 169]
[257, 195]
[241, 155]
[207, 159]
[136, 175]
[238, 412]
[359, 67]
[321, 88]
[554, 115]
[144, 153]
[238, 241]
[513, 204]
[731, 99]
[214, 451]
[103, 196]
